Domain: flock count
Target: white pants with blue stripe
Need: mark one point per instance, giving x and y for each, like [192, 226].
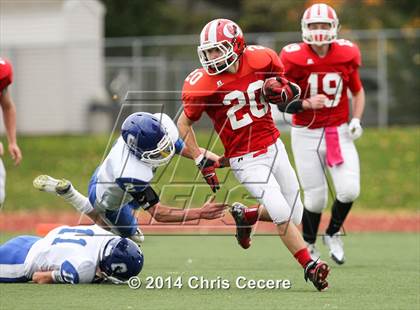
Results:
[12, 259]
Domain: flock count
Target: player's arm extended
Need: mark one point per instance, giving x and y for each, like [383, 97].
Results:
[210, 210]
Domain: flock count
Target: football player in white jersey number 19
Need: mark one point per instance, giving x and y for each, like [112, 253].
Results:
[321, 138]
[70, 254]
[121, 183]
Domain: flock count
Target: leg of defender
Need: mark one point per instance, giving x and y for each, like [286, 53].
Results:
[12, 258]
[123, 221]
[48, 184]
[64, 189]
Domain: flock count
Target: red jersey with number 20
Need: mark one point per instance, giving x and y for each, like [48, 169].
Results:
[331, 75]
[234, 102]
[6, 74]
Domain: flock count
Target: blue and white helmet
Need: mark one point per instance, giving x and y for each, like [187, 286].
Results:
[148, 139]
[121, 259]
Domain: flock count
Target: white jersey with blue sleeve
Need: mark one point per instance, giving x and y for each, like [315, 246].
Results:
[122, 174]
[72, 252]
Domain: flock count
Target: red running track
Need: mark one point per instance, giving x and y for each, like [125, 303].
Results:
[42, 221]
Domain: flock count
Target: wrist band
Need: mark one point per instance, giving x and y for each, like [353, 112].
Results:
[198, 159]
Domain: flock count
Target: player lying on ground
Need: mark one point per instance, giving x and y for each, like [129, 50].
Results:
[121, 184]
[323, 141]
[70, 254]
[229, 89]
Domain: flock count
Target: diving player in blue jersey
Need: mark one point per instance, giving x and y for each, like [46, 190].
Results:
[121, 183]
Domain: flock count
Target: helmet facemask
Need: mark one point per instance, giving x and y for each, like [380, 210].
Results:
[319, 36]
[218, 65]
[160, 156]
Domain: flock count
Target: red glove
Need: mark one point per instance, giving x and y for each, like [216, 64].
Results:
[279, 90]
[208, 170]
[222, 162]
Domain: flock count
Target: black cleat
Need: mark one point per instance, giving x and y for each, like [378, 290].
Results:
[243, 228]
[317, 273]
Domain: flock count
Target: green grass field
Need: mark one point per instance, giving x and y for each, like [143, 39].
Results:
[382, 272]
[389, 170]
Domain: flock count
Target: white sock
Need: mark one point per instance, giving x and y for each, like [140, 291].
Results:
[77, 200]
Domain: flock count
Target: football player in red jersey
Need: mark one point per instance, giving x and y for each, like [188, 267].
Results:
[9, 118]
[321, 138]
[229, 90]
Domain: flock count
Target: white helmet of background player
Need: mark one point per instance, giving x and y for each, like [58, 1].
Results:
[319, 13]
[228, 38]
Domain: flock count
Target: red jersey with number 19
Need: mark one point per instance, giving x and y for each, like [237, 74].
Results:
[234, 102]
[331, 75]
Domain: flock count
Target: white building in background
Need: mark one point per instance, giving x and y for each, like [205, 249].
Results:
[56, 48]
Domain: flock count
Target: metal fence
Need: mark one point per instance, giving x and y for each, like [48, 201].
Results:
[391, 59]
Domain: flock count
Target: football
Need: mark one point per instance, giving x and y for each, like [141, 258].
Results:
[279, 90]
[270, 85]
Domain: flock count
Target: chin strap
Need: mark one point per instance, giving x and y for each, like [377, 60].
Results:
[109, 279]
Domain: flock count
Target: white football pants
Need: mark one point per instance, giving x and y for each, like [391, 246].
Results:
[309, 151]
[270, 178]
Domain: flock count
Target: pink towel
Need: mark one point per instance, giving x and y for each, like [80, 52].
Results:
[332, 140]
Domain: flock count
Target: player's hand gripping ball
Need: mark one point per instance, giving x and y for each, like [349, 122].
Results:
[278, 90]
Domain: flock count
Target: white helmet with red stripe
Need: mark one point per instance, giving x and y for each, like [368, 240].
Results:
[225, 36]
[319, 13]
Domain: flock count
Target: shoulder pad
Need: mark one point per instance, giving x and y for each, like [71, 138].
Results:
[125, 165]
[169, 125]
[347, 51]
[294, 53]
[199, 84]
[259, 57]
